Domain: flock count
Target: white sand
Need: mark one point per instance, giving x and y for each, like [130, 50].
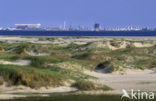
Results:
[23, 89]
[4, 38]
[10, 92]
[139, 45]
[38, 54]
[10, 96]
[137, 80]
[17, 62]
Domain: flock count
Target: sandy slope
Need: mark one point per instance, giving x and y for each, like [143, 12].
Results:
[137, 80]
[11, 92]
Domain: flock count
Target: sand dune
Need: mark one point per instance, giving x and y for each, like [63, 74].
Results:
[134, 79]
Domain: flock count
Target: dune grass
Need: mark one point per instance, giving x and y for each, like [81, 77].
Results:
[30, 76]
[90, 86]
[48, 70]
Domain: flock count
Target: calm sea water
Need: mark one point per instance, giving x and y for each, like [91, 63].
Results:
[78, 33]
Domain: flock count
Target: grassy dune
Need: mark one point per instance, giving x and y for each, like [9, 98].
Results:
[54, 64]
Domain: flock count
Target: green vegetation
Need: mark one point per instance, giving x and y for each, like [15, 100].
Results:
[39, 73]
[84, 85]
[87, 86]
[1, 81]
[116, 43]
[66, 63]
[30, 76]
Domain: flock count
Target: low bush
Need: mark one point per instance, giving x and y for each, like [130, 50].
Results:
[116, 43]
[84, 85]
[1, 81]
[88, 86]
[38, 62]
[104, 64]
[31, 77]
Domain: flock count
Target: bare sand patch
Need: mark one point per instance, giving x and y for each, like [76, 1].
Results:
[131, 80]
[22, 91]
[140, 45]
[38, 54]
[8, 38]
[17, 62]
[10, 96]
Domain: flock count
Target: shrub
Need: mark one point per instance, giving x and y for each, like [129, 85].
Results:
[88, 86]
[82, 56]
[20, 78]
[21, 49]
[1, 81]
[104, 64]
[38, 62]
[74, 46]
[113, 68]
[41, 39]
[115, 43]
[105, 88]
[31, 77]
[84, 85]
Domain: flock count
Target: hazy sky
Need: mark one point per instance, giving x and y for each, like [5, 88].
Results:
[109, 13]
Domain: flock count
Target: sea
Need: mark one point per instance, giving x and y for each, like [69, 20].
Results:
[76, 33]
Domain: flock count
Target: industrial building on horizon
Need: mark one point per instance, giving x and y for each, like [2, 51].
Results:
[96, 27]
[27, 26]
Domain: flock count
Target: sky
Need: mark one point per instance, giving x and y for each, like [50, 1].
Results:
[108, 13]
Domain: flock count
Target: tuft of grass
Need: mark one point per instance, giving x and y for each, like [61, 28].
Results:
[38, 62]
[88, 86]
[42, 61]
[21, 49]
[84, 85]
[30, 76]
[116, 43]
[1, 81]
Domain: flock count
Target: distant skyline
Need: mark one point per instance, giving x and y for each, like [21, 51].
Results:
[109, 13]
